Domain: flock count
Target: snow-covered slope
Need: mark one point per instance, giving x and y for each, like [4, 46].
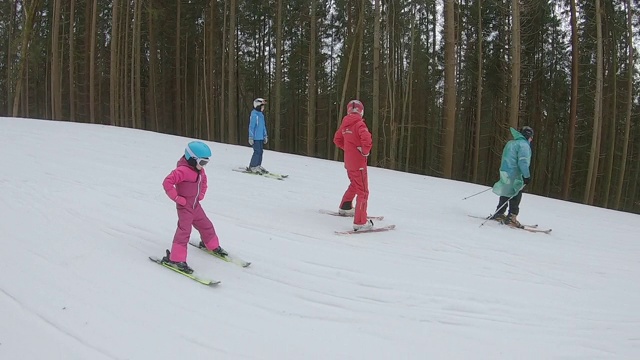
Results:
[82, 208]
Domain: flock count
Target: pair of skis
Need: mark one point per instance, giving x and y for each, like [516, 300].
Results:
[530, 228]
[282, 177]
[267, 175]
[350, 232]
[204, 281]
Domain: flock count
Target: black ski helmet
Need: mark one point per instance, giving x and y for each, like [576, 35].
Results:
[527, 132]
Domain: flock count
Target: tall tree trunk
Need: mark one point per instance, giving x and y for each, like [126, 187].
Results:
[436, 127]
[360, 45]
[312, 88]
[113, 75]
[391, 86]
[10, 50]
[478, 122]
[612, 122]
[72, 59]
[449, 89]
[212, 63]
[207, 80]
[25, 104]
[56, 68]
[123, 65]
[347, 75]
[375, 122]
[211, 84]
[153, 64]
[137, 53]
[566, 184]
[223, 80]
[177, 96]
[515, 64]
[92, 64]
[127, 61]
[597, 113]
[233, 85]
[278, 80]
[630, 69]
[187, 118]
[24, 53]
[406, 108]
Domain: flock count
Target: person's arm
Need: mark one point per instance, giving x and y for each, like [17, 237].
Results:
[169, 185]
[253, 122]
[203, 184]
[338, 139]
[365, 140]
[524, 159]
[264, 126]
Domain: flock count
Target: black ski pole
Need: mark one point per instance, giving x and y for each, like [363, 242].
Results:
[503, 205]
[470, 196]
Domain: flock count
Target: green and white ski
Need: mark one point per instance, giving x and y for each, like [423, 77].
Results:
[202, 281]
[267, 175]
[229, 258]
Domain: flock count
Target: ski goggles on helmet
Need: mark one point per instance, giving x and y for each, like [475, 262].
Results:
[199, 161]
[202, 161]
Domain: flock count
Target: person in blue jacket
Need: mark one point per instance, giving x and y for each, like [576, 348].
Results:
[514, 175]
[257, 136]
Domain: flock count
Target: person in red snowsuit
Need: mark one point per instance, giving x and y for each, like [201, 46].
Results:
[354, 138]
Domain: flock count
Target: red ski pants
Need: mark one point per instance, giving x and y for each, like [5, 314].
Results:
[359, 187]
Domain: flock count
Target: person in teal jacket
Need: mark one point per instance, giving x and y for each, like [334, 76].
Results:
[257, 136]
[514, 175]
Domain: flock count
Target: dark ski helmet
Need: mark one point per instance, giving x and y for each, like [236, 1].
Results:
[527, 132]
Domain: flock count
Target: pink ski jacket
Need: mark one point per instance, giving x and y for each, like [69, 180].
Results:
[185, 185]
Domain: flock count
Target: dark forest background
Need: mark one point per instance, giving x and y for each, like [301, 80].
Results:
[442, 81]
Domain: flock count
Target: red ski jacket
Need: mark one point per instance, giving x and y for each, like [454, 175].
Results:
[354, 138]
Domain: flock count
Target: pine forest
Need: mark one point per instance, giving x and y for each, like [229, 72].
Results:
[441, 81]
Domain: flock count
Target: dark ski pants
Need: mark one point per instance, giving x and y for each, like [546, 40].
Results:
[258, 149]
[514, 204]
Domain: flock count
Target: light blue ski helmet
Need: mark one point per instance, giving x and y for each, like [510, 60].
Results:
[198, 150]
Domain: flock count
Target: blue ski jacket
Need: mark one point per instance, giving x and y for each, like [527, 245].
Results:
[257, 126]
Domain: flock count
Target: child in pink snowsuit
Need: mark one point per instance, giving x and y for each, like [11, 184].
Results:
[187, 186]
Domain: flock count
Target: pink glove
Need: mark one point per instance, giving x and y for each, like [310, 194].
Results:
[181, 201]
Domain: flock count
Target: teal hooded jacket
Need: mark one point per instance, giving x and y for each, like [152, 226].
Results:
[516, 158]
